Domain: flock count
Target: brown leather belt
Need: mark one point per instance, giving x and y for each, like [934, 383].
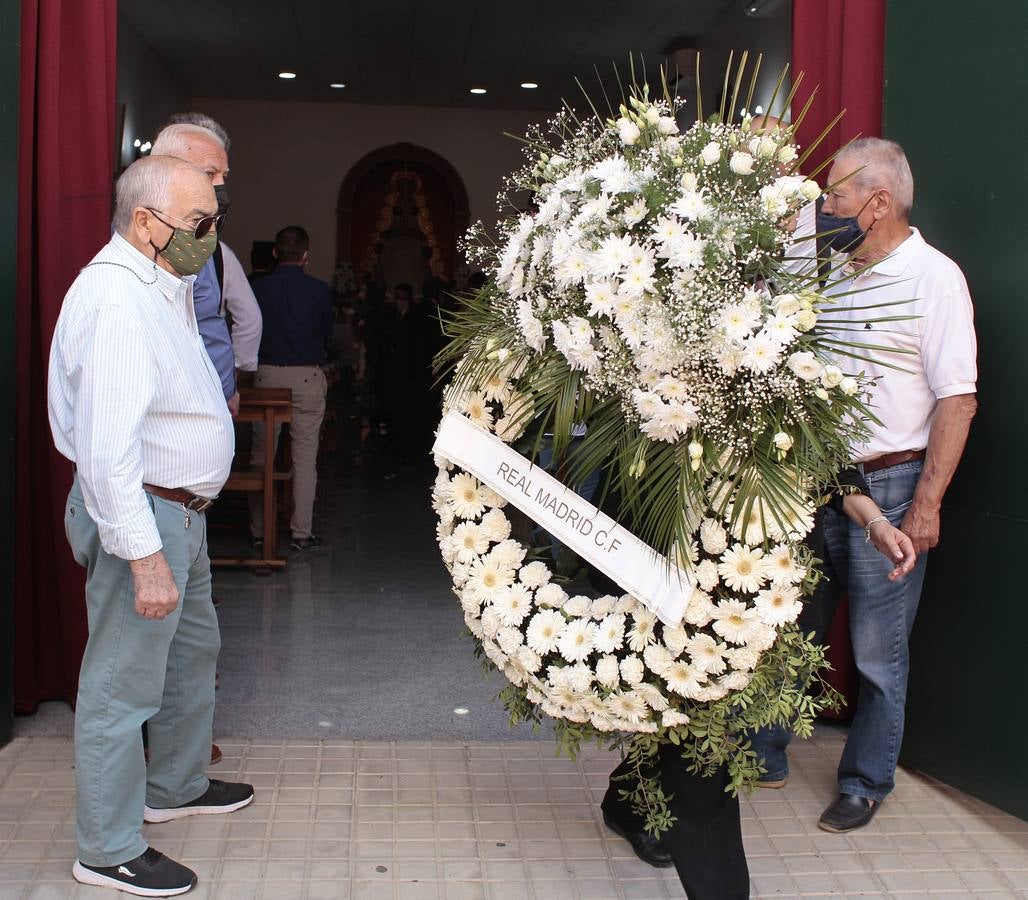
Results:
[180, 495]
[890, 459]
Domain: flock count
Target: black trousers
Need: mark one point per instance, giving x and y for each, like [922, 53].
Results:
[706, 840]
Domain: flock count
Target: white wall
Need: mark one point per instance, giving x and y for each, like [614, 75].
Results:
[288, 160]
[150, 92]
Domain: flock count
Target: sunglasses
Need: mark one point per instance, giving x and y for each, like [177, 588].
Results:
[201, 229]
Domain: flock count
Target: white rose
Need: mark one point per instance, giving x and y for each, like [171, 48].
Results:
[787, 153]
[831, 377]
[786, 305]
[741, 163]
[628, 131]
[782, 441]
[652, 115]
[711, 153]
[805, 320]
[848, 386]
[821, 394]
[810, 190]
[805, 365]
[689, 182]
[667, 125]
[767, 147]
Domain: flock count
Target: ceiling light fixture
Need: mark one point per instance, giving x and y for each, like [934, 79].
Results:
[478, 90]
[529, 85]
[337, 85]
[287, 75]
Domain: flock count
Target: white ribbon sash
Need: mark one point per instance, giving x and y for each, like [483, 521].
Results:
[572, 520]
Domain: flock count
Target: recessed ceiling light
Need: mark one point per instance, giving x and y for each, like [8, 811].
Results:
[529, 85]
[287, 75]
[478, 90]
[337, 85]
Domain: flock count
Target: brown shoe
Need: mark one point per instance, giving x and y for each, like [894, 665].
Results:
[774, 784]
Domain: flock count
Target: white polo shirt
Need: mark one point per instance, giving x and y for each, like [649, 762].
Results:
[941, 337]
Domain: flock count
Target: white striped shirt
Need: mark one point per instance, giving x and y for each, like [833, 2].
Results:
[133, 396]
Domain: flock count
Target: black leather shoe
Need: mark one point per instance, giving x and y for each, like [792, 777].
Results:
[847, 813]
[648, 848]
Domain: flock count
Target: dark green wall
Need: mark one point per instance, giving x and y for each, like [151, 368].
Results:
[955, 98]
[9, 61]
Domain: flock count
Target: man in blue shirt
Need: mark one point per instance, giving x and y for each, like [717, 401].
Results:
[298, 322]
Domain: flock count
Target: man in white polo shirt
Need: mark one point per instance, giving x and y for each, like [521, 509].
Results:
[925, 409]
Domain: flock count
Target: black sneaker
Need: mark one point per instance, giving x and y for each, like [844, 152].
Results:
[298, 545]
[151, 875]
[220, 797]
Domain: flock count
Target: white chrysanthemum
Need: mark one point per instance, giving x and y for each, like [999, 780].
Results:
[574, 267]
[491, 624]
[534, 575]
[691, 205]
[467, 498]
[700, 609]
[550, 595]
[509, 639]
[468, 541]
[513, 603]
[735, 681]
[608, 673]
[601, 297]
[641, 633]
[672, 718]
[707, 654]
[611, 256]
[762, 636]
[735, 621]
[577, 606]
[495, 654]
[628, 706]
[488, 578]
[474, 624]
[531, 327]
[635, 212]
[753, 525]
[741, 568]
[713, 537]
[780, 566]
[632, 669]
[460, 573]
[711, 692]
[545, 630]
[684, 679]
[508, 553]
[745, 658]
[602, 607]
[528, 660]
[739, 319]
[781, 329]
[495, 526]
[579, 677]
[626, 603]
[491, 499]
[760, 354]
[653, 696]
[675, 639]
[685, 252]
[610, 633]
[706, 575]
[657, 658]
[779, 604]
[576, 643]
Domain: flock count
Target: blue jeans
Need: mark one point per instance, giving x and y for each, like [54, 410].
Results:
[881, 619]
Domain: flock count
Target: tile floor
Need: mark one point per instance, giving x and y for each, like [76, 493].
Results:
[465, 820]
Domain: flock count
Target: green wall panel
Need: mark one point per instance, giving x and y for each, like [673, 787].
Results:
[955, 98]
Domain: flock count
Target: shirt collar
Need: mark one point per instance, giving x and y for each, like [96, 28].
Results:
[896, 263]
[172, 286]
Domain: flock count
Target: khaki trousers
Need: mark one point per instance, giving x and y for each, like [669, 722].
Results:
[309, 386]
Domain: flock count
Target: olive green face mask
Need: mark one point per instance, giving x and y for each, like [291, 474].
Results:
[186, 253]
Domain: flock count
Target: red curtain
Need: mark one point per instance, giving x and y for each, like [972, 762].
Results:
[839, 46]
[65, 166]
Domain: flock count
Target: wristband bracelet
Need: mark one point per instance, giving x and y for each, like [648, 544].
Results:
[867, 527]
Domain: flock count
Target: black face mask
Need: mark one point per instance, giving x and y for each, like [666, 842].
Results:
[221, 193]
[846, 236]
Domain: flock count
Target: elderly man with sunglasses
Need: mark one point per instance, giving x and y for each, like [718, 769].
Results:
[136, 404]
[205, 150]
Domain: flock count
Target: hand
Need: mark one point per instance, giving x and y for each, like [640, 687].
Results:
[155, 588]
[895, 546]
[233, 404]
[921, 523]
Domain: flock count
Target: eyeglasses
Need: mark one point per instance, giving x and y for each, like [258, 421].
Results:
[201, 229]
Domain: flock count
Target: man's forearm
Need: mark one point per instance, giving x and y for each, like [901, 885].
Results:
[946, 442]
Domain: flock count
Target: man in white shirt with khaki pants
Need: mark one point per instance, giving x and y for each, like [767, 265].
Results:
[136, 404]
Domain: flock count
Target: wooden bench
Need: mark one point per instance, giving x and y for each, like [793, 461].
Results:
[270, 406]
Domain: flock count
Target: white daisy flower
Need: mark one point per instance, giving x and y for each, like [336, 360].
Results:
[478, 410]
[467, 497]
[576, 643]
[760, 353]
[741, 568]
[611, 256]
[738, 320]
[735, 621]
[513, 603]
[488, 578]
[601, 297]
[627, 706]
[780, 566]
[642, 631]
[635, 213]
[779, 604]
[652, 695]
[468, 541]
[707, 654]
[684, 679]
[545, 630]
[495, 387]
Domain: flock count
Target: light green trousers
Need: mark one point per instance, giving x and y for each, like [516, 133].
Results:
[138, 670]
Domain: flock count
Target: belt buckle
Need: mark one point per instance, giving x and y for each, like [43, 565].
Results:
[198, 503]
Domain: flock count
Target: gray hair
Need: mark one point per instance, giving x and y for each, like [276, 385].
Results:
[884, 165]
[148, 182]
[204, 121]
[173, 140]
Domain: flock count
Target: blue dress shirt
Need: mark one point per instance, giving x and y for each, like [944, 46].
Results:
[213, 327]
[297, 313]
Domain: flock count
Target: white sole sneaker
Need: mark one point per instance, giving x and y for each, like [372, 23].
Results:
[87, 876]
[156, 816]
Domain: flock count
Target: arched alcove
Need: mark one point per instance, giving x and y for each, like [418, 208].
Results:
[396, 182]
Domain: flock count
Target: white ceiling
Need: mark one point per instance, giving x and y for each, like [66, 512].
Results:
[408, 51]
